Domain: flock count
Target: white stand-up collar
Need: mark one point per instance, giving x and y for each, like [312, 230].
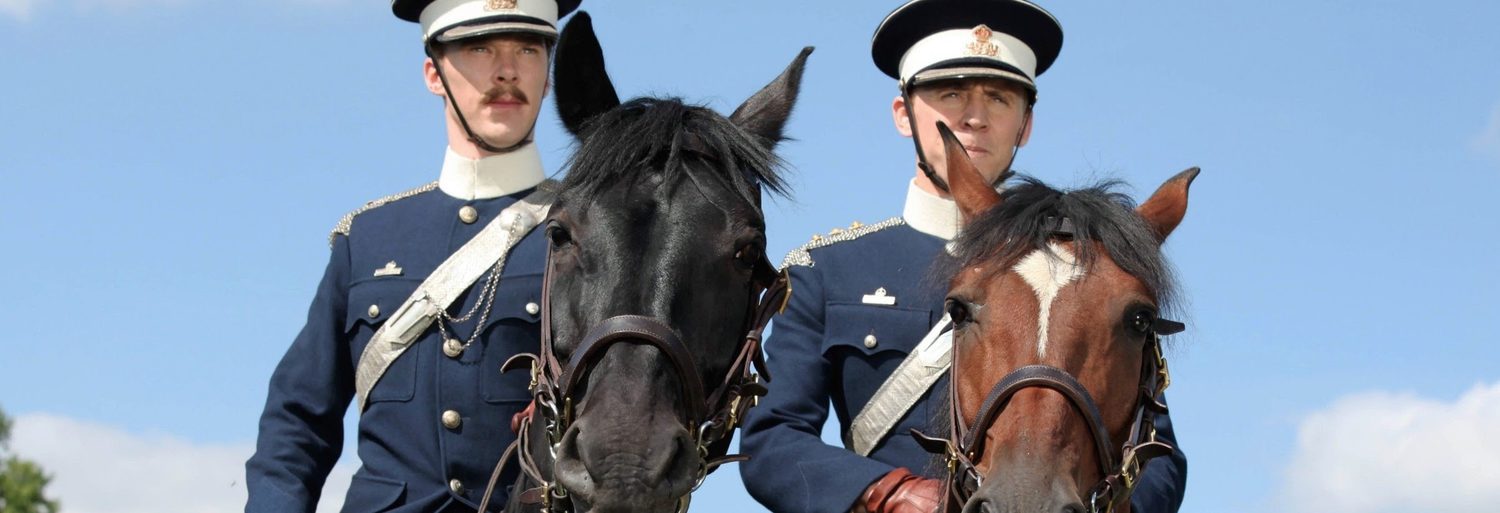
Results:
[927, 213]
[491, 177]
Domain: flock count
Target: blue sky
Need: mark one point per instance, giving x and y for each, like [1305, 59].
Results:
[172, 167]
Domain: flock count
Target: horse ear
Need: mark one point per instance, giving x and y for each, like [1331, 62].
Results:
[970, 190]
[765, 113]
[582, 85]
[1167, 206]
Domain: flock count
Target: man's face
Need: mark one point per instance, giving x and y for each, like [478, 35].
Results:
[497, 81]
[989, 115]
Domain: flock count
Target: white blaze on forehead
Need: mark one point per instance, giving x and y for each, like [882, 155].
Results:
[1047, 273]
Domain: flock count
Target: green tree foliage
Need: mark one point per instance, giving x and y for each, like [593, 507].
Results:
[22, 482]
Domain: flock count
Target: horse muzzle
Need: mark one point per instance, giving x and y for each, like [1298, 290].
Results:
[610, 467]
[631, 447]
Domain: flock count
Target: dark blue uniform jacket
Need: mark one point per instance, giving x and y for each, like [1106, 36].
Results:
[411, 461]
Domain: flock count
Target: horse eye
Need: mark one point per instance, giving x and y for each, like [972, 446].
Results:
[559, 236]
[1141, 321]
[957, 311]
[747, 256]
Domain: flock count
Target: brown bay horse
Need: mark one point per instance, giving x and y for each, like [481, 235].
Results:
[1056, 299]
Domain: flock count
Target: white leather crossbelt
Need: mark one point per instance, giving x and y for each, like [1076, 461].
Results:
[916, 374]
[487, 249]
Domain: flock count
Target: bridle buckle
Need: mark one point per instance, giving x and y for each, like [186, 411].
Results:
[1161, 368]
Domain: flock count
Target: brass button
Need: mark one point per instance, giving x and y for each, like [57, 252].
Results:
[452, 420]
[468, 214]
[374, 311]
[533, 308]
[456, 486]
[453, 348]
[870, 341]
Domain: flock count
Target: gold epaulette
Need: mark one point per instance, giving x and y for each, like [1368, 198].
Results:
[348, 220]
[801, 255]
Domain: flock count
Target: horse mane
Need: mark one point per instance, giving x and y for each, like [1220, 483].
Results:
[667, 134]
[1024, 220]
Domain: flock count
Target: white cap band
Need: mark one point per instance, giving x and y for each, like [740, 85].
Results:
[969, 44]
[442, 15]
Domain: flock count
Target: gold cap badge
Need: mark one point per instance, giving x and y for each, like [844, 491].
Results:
[982, 45]
[499, 5]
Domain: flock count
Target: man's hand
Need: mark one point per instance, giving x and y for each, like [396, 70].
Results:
[901, 492]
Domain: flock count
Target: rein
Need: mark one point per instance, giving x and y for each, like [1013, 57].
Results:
[713, 419]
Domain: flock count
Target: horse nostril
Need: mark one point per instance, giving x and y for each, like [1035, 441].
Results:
[1073, 508]
[662, 462]
[567, 448]
[979, 505]
[569, 467]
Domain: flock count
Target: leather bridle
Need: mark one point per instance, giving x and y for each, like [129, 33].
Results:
[712, 419]
[965, 443]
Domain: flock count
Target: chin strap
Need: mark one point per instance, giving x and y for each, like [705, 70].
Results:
[459, 113]
[1015, 150]
[916, 140]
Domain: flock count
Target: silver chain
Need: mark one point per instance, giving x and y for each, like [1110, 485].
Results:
[486, 300]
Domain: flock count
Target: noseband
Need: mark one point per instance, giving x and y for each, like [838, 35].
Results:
[555, 386]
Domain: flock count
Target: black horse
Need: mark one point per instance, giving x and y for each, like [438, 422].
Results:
[655, 278]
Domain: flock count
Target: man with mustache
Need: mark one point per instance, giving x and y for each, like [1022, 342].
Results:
[864, 298]
[427, 291]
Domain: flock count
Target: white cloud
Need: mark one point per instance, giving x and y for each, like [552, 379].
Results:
[98, 468]
[1379, 452]
[1487, 142]
[19, 9]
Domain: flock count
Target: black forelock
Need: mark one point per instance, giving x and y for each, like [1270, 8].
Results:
[664, 135]
[1023, 223]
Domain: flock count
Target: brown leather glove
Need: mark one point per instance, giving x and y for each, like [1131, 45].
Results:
[902, 492]
[515, 420]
